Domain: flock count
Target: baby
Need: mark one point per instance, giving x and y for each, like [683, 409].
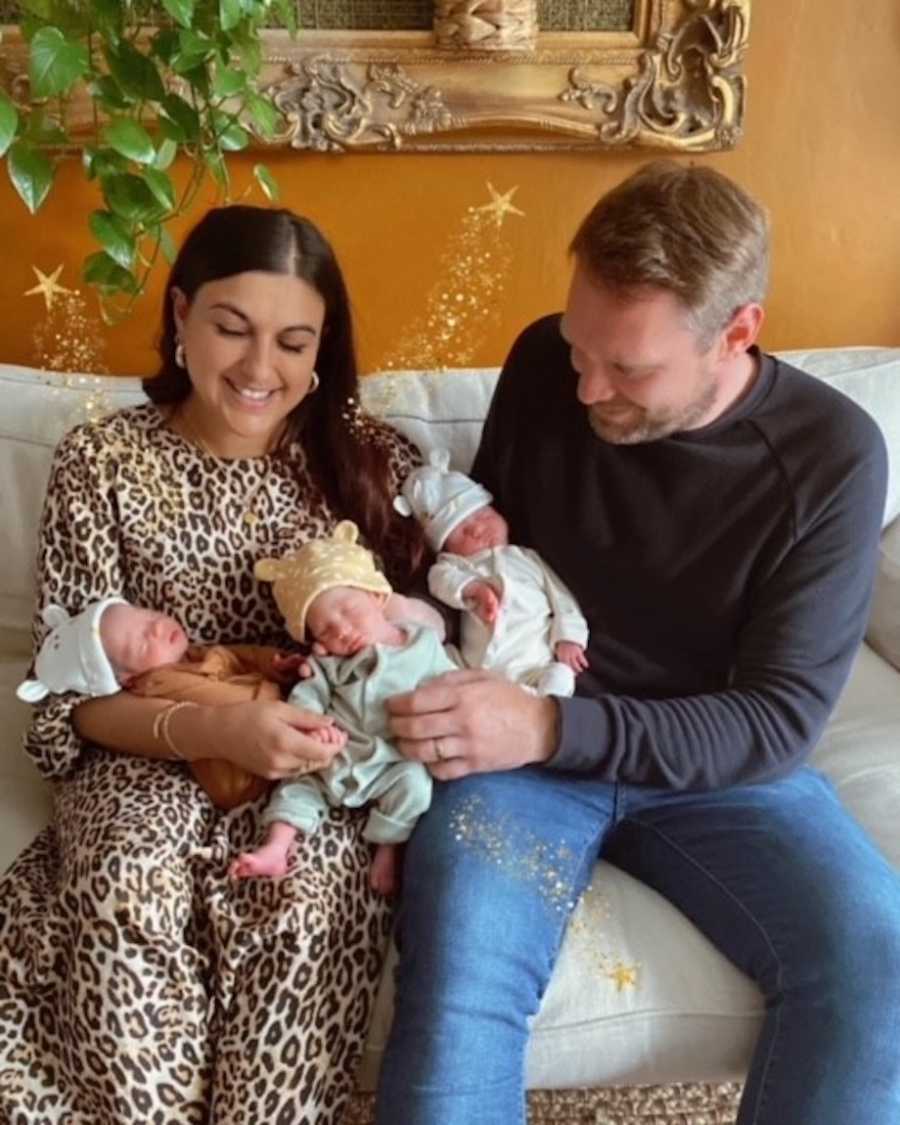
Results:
[113, 645]
[520, 619]
[365, 652]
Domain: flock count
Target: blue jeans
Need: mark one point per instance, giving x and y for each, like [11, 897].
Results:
[778, 876]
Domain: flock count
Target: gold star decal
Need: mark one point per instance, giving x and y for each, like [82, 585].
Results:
[500, 205]
[48, 286]
[623, 976]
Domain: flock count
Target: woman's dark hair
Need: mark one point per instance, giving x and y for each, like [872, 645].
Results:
[350, 462]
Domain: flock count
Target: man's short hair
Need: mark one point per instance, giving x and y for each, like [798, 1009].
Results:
[683, 228]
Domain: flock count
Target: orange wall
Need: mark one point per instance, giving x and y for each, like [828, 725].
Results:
[821, 150]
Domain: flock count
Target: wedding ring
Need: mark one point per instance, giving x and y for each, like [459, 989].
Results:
[439, 755]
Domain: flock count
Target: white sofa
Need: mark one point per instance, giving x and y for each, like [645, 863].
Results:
[639, 997]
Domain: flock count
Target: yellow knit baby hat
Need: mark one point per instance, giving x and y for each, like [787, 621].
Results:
[320, 565]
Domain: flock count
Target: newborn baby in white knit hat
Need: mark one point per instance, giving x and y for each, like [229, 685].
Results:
[519, 618]
[99, 650]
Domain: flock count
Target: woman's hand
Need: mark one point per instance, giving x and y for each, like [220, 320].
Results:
[270, 739]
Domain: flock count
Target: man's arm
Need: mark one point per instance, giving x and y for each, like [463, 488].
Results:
[792, 659]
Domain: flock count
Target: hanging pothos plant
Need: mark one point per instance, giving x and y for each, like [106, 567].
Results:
[133, 85]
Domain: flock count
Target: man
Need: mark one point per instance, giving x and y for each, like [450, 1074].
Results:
[715, 512]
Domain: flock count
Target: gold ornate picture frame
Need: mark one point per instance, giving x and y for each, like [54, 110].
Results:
[486, 78]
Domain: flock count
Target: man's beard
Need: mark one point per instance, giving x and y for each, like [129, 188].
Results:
[624, 423]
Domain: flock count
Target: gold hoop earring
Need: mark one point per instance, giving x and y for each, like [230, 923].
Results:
[313, 383]
[179, 354]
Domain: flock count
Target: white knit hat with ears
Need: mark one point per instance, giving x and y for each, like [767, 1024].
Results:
[72, 656]
[440, 498]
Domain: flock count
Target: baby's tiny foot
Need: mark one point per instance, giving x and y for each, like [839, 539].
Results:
[384, 873]
[267, 860]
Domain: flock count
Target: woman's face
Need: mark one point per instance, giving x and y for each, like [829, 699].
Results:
[250, 344]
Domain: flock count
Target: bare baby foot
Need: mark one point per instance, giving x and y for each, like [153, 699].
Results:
[384, 874]
[270, 860]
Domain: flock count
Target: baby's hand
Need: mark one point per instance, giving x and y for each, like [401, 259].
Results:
[333, 735]
[484, 600]
[572, 655]
[290, 666]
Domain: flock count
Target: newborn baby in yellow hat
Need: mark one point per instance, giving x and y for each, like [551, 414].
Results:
[369, 644]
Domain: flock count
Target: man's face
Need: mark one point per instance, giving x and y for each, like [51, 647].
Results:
[641, 371]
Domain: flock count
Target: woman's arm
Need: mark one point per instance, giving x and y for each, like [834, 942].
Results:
[269, 739]
[78, 562]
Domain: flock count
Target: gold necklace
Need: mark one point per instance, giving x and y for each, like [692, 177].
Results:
[248, 505]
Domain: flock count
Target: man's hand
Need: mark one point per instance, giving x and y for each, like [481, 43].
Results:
[483, 600]
[473, 721]
[572, 655]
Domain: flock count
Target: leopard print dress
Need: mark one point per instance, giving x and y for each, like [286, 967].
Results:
[137, 983]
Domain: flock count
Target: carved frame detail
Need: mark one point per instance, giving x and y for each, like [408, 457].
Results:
[674, 82]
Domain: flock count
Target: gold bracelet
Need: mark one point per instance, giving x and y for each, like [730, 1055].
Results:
[161, 727]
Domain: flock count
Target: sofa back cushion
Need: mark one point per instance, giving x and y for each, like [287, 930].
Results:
[436, 409]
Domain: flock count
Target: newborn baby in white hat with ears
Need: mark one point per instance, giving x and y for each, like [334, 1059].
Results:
[519, 619]
[98, 650]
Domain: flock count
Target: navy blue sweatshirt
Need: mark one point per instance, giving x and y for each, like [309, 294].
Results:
[725, 572]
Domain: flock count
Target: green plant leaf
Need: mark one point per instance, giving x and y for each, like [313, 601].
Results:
[197, 78]
[265, 116]
[71, 18]
[228, 81]
[31, 174]
[129, 197]
[55, 63]
[287, 13]
[135, 72]
[165, 154]
[233, 137]
[166, 243]
[231, 12]
[218, 169]
[102, 162]
[9, 122]
[114, 236]
[107, 18]
[266, 181]
[101, 270]
[183, 115]
[182, 11]
[161, 186]
[249, 50]
[129, 138]
[109, 94]
[194, 48]
[44, 130]
[164, 44]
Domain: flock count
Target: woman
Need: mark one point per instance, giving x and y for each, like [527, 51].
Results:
[140, 983]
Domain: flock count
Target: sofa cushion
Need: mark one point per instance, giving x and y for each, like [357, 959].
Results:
[24, 795]
[884, 627]
[871, 377]
[38, 408]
